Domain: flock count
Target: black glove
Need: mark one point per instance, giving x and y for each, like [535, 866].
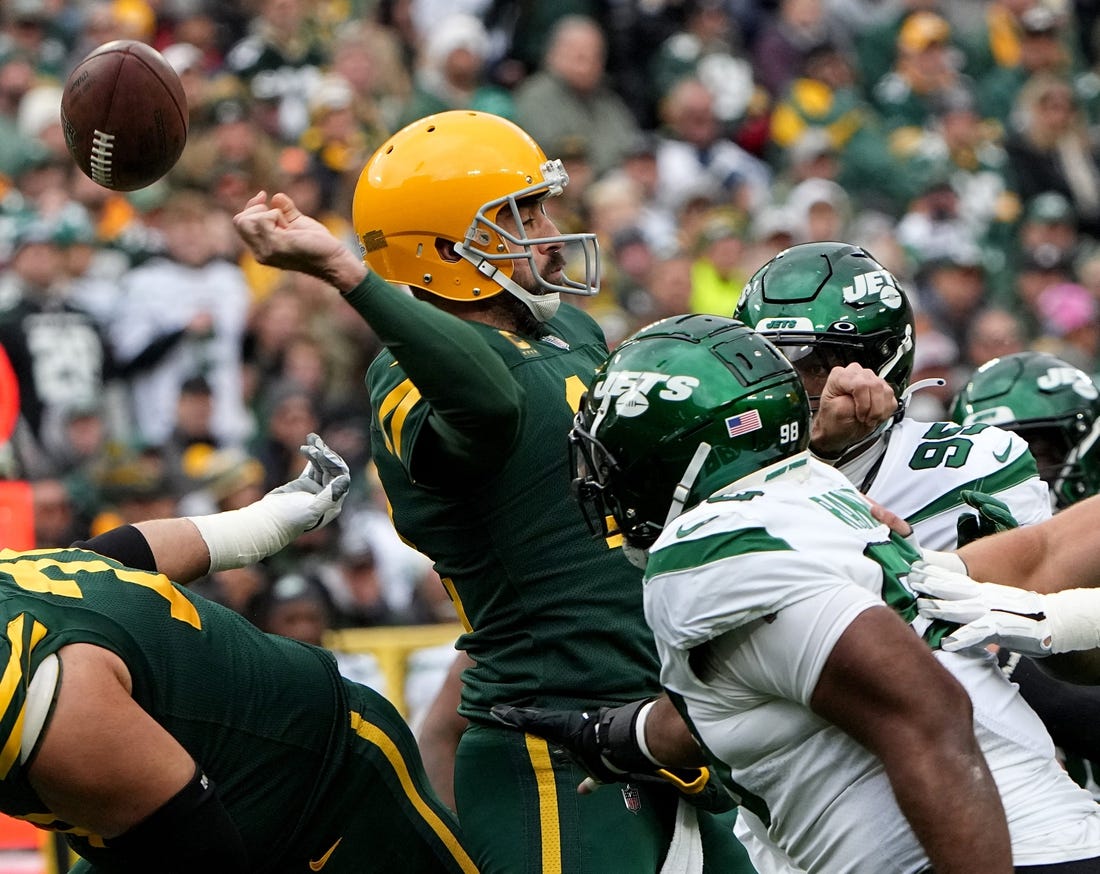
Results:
[993, 515]
[603, 742]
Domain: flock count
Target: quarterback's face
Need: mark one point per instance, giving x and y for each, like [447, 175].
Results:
[548, 258]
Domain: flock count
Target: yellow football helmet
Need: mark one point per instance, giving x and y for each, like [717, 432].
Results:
[426, 207]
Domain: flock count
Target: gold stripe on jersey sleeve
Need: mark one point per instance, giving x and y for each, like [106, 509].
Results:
[460, 609]
[375, 735]
[179, 607]
[539, 752]
[399, 402]
[10, 682]
[30, 574]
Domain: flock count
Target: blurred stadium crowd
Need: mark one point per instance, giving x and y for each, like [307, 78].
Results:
[162, 371]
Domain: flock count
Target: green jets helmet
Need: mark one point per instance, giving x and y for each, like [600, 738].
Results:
[684, 407]
[829, 304]
[1053, 405]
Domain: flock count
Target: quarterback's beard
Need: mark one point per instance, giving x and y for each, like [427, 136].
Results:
[527, 322]
[519, 314]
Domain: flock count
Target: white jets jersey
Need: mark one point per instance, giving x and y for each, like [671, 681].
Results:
[927, 464]
[770, 572]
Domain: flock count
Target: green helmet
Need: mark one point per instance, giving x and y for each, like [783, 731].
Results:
[1051, 404]
[829, 304]
[682, 408]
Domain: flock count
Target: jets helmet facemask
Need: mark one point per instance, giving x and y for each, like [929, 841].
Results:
[427, 207]
[830, 304]
[1053, 405]
[686, 406]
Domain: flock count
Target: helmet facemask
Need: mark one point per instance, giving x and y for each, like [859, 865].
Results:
[830, 304]
[1053, 406]
[485, 246]
[594, 470]
[1063, 453]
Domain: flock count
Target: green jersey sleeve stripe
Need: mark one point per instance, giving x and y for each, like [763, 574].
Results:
[1020, 471]
[689, 554]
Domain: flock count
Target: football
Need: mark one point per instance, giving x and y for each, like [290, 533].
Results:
[124, 114]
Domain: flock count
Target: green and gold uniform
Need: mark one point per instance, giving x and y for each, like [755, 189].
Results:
[469, 427]
[302, 758]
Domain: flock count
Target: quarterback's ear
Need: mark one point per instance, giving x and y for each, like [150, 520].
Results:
[446, 250]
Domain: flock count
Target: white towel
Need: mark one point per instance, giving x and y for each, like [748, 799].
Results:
[685, 851]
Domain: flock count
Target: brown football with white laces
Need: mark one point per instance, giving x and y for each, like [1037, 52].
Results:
[124, 113]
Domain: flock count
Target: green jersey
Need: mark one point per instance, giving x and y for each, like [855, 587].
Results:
[176, 646]
[554, 617]
[301, 757]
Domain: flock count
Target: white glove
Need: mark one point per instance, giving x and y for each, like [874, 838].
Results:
[318, 491]
[987, 612]
[1020, 620]
[947, 560]
[240, 537]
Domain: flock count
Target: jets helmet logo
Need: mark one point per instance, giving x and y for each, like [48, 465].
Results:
[630, 389]
[1057, 377]
[875, 286]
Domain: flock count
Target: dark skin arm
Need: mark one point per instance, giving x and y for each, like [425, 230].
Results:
[668, 738]
[876, 686]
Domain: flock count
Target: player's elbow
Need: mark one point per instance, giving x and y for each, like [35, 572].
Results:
[935, 737]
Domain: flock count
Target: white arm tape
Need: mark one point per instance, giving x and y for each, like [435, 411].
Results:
[639, 732]
[242, 537]
[1074, 619]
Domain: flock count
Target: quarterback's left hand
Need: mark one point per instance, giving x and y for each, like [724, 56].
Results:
[986, 612]
[315, 498]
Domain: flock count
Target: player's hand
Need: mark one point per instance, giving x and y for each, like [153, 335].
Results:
[993, 515]
[986, 612]
[602, 741]
[316, 497]
[854, 401]
[279, 235]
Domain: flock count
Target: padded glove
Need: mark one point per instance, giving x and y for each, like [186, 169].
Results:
[993, 515]
[603, 742]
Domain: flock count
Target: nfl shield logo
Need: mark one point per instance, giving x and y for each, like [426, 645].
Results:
[632, 798]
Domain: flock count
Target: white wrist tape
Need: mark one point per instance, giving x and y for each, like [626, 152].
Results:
[238, 538]
[949, 561]
[1074, 619]
[639, 732]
